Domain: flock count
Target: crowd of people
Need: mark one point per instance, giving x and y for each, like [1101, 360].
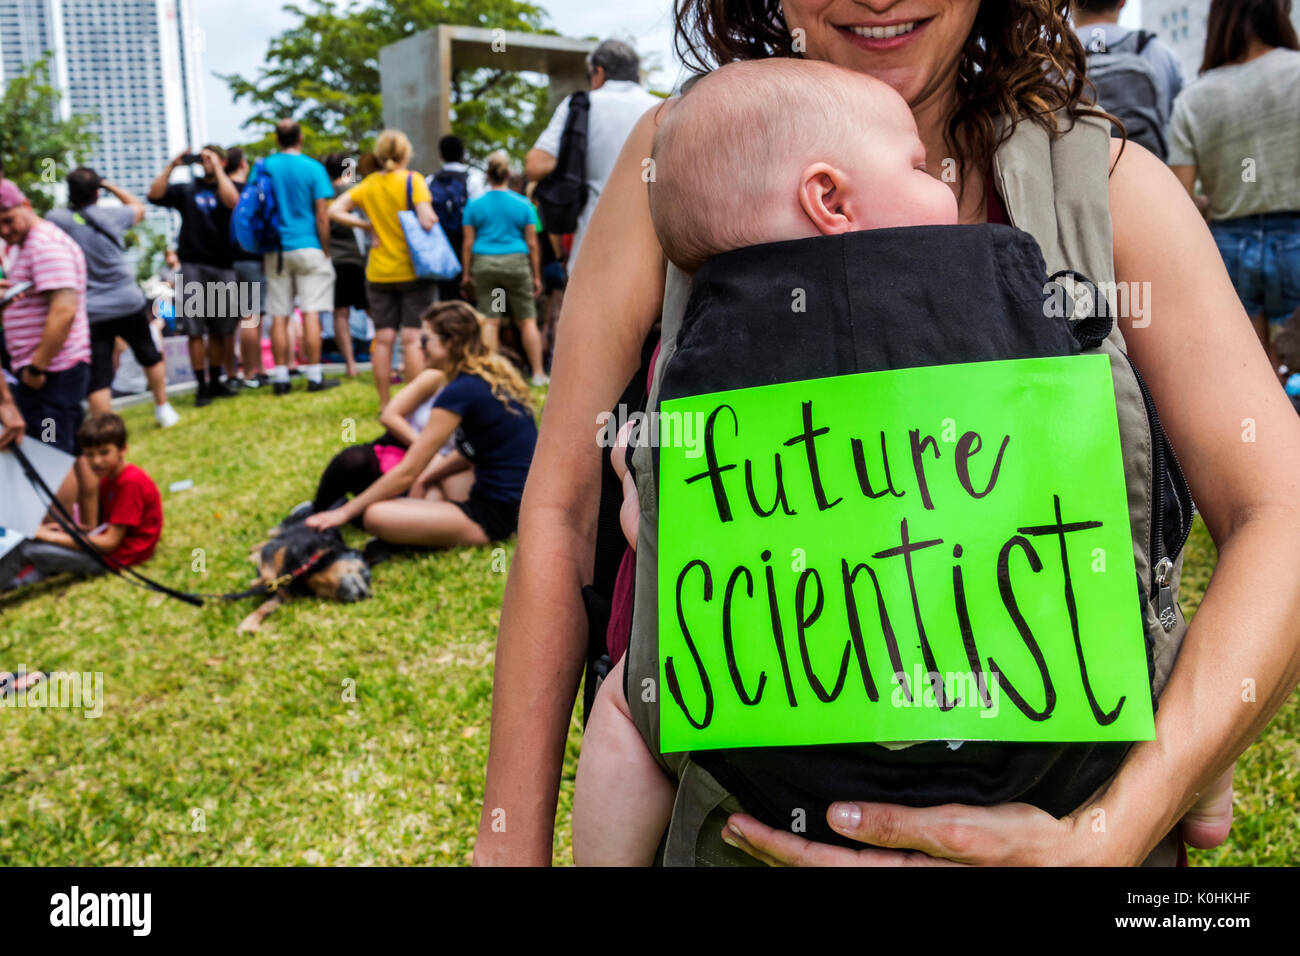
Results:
[460, 433]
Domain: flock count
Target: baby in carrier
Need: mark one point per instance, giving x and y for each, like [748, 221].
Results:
[758, 152]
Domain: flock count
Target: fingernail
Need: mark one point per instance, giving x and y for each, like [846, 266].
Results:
[846, 816]
[734, 831]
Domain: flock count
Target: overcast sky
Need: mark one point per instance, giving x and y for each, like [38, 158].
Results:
[236, 34]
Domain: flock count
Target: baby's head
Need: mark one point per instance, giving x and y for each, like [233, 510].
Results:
[770, 150]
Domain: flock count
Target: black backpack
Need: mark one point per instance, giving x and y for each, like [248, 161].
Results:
[450, 192]
[561, 196]
[1128, 87]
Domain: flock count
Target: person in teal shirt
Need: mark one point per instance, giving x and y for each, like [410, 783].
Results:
[501, 255]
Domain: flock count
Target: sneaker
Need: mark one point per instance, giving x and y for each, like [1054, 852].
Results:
[280, 388]
[165, 415]
[223, 389]
[323, 384]
[202, 397]
[249, 383]
[539, 380]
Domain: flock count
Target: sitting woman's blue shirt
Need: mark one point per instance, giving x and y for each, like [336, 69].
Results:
[499, 218]
[498, 440]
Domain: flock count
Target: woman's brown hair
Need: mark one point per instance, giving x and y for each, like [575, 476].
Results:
[1232, 24]
[460, 327]
[1022, 59]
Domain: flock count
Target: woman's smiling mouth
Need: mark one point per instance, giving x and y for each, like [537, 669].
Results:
[885, 36]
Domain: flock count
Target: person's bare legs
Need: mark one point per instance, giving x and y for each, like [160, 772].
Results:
[311, 338]
[381, 363]
[491, 332]
[343, 338]
[412, 355]
[622, 799]
[80, 487]
[100, 401]
[250, 346]
[1206, 825]
[156, 376]
[198, 350]
[280, 339]
[428, 524]
[227, 344]
[532, 344]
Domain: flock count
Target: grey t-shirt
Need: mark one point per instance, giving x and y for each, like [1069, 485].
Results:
[1239, 125]
[111, 289]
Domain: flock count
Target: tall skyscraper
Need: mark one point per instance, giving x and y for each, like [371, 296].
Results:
[133, 64]
[1181, 24]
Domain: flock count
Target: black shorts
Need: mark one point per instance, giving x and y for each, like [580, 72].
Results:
[350, 286]
[498, 519]
[134, 328]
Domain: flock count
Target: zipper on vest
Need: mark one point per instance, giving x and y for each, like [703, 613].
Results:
[1162, 565]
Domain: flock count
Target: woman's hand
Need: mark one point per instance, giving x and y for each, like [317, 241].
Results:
[1010, 834]
[537, 286]
[331, 519]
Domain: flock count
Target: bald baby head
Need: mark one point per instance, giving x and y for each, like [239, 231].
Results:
[735, 152]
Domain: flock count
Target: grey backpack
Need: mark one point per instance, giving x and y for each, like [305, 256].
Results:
[1128, 87]
[1055, 189]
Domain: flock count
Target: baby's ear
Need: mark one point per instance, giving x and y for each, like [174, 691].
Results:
[822, 194]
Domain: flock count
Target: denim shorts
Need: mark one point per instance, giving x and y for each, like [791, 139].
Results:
[1262, 254]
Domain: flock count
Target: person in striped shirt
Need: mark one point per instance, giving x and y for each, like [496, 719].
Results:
[46, 331]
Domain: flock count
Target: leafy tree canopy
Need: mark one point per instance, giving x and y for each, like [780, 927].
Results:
[324, 72]
[38, 147]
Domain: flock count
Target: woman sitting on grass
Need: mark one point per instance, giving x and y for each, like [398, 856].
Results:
[470, 496]
[357, 467]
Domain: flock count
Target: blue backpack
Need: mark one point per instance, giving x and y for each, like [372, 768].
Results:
[255, 223]
[450, 191]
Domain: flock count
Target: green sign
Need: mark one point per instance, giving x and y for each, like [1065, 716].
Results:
[936, 553]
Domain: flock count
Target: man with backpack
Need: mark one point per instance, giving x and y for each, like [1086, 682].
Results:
[452, 187]
[300, 267]
[615, 103]
[1137, 77]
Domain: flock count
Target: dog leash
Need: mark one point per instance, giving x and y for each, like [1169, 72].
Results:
[131, 576]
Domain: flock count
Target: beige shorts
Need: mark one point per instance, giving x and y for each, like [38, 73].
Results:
[307, 275]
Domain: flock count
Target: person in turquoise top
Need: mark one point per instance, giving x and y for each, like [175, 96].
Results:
[502, 262]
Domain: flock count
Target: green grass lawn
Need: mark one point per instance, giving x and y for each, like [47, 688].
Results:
[218, 748]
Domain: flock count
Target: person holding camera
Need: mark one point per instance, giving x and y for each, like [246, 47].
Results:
[206, 264]
[115, 306]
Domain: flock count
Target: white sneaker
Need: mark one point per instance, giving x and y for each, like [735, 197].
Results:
[539, 379]
[165, 415]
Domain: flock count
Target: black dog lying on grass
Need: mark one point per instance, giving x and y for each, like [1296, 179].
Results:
[298, 560]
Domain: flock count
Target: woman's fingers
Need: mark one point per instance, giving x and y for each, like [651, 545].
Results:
[783, 848]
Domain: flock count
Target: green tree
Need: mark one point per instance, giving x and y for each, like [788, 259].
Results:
[37, 147]
[324, 72]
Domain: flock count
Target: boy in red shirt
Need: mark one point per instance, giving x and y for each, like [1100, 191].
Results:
[129, 506]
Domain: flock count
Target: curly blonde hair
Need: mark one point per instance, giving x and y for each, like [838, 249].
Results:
[1022, 60]
[460, 326]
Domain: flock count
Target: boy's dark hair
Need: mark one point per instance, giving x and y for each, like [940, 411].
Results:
[452, 149]
[334, 164]
[102, 428]
[83, 187]
[234, 159]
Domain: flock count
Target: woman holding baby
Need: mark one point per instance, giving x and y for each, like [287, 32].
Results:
[967, 71]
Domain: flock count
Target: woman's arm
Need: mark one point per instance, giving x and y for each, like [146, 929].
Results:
[393, 417]
[1238, 439]
[432, 437]
[466, 253]
[542, 641]
[340, 211]
[534, 257]
[424, 212]
[443, 466]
